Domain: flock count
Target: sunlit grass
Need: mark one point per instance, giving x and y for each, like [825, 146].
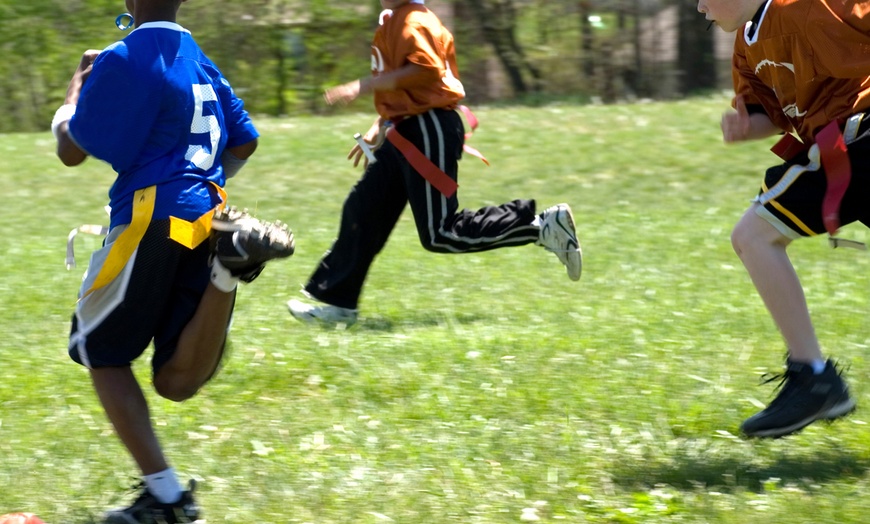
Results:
[475, 388]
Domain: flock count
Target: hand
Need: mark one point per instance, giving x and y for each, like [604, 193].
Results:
[343, 94]
[374, 137]
[83, 71]
[736, 125]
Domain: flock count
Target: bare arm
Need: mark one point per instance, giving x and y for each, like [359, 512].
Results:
[346, 93]
[67, 150]
[739, 125]
[244, 151]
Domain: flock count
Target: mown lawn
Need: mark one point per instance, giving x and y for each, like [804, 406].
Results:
[482, 388]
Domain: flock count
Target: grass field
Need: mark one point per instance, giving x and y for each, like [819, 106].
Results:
[482, 388]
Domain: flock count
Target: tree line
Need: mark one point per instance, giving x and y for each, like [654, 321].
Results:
[280, 54]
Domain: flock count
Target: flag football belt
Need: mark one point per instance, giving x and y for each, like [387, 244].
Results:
[187, 233]
[831, 152]
[423, 165]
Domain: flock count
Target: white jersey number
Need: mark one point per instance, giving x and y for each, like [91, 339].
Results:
[200, 156]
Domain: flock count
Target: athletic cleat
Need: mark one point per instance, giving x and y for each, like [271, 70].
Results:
[803, 399]
[244, 244]
[146, 509]
[324, 314]
[558, 235]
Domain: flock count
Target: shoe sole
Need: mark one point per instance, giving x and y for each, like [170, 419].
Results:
[837, 411]
[219, 223]
[222, 222]
[298, 311]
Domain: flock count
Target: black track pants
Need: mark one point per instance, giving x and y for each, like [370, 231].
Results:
[377, 200]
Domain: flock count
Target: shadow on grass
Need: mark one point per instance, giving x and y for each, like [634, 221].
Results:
[416, 320]
[728, 474]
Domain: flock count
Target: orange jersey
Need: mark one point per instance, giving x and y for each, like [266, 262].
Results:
[413, 34]
[807, 62]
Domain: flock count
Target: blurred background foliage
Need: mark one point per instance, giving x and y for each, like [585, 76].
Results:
[280, 54]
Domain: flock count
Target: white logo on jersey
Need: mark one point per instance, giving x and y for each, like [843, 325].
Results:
[377, 60]
[792, 111]
[771, 63]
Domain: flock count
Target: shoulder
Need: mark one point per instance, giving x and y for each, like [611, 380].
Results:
[792, 14]
[117, 58]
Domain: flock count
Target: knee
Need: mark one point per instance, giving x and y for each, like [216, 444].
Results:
[753, 234]
[175, 391]
[431, 245]
[739, 238]
[428, 245]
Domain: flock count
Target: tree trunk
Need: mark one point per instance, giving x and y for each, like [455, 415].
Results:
[696, 61]
[498, 21]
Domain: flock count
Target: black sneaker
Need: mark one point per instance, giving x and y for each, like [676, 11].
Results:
[804, 397]
[244, 244]
[148, 510]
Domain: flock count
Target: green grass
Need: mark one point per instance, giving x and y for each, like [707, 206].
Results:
[482, 388]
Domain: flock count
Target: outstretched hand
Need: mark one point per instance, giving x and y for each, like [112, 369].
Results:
[343, 94]
[736, 125]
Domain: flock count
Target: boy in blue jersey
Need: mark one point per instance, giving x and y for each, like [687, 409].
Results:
[160, 112]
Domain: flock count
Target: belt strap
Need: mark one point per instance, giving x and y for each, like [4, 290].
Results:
[838, 170]
[125, 245]
[472, 123]
[428, 170]
[192, 234]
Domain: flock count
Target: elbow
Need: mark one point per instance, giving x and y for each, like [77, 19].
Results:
[244, 151]
[70, 158]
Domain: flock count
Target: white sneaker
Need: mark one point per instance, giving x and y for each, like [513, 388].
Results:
[324, 313]
[558, 235]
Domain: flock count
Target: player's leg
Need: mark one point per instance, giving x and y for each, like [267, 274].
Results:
[368, 216]
[190, 340]
[112, 326]
[812, 388]
[762, 249]
[443, 228]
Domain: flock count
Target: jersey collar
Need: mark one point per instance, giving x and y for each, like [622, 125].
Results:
[750, 31]
[162, 25]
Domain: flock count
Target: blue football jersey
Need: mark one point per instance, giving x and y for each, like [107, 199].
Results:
[161, 113]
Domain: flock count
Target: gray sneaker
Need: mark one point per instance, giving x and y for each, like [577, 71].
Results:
[244, 244]
[146, 509]
[803, 398]
[323, 313]
[558, 235]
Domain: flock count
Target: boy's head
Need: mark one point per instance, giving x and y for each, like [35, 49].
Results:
[393, 4]
[153, 10]
[730, 15]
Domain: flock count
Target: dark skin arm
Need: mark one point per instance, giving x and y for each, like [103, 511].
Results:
[244, 151]
[68, 152]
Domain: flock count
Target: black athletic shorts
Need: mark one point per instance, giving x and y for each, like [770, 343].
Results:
[793, 192]
[153, 298]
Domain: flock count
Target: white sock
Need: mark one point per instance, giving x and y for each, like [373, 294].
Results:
[222, 278]
[164, 486]
[537, 221]
[818, 365]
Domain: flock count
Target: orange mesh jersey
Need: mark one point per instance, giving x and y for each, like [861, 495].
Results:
[413, 34]
[807, 62]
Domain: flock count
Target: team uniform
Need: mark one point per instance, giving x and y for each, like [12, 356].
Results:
[422, 110]
[161, 113]
[804, 63]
